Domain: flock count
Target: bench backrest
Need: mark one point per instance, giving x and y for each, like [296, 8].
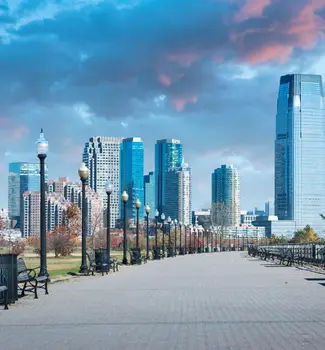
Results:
[91, 256]
[22, 270]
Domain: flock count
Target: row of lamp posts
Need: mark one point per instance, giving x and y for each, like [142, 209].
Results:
[42, 149]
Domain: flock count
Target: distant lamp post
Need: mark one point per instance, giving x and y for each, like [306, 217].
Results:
[163, 217]
[175, 238]
[147, 209]
[42, 149]
[83, 174]
[137, 206]
[190, 246]
[156, 228]
[125, 198]
[180, 237]
[109, 190]
[169, 220]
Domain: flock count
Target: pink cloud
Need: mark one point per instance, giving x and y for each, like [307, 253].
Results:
[307, 25]
[252, 8]
[184, 59]
[19, 131]
[271, 52]
[165, 80]
[181, 102]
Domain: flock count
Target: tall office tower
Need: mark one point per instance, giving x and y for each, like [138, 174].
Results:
[131, 175]
[102, 157]
[22, 177]
[226, 196]
[149, 192]
[299, 151]
[179, 205]
[168, 156]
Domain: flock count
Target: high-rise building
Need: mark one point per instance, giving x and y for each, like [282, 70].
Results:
[179, 205]
[299, 151]
[168, 156]
[149, 192]
[225, 207]
[23, 176]
[131, 175]
[102, 157]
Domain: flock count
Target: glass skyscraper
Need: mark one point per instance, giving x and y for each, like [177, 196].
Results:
[131, 175]
[23, 177]
[149, 192]
[226, 196]
[168, 156]
[300, 151]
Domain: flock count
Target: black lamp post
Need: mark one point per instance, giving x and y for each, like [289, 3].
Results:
[156, 228]
[180, 237]
[147, 215]
[185, 239]
[125, 198]
[169, 220]
[42, 148]
[137, 206]
[83, 173]
[109, 189]
[190, 246]
[163, 217]
[194, 238]
[175, 238]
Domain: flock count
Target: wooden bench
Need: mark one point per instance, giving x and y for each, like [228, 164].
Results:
[4, 289]
[30, 279]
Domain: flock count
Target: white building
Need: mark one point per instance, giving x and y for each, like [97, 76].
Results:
[102, 157]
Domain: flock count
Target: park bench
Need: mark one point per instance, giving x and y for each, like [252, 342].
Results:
[136, 258]
[170, 252]
[100, 265]
[30, 280]
[4, 290]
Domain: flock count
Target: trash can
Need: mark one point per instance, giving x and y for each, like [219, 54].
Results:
[101, 260]
[8, 267]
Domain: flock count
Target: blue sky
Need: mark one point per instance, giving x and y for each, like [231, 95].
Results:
[203, 71]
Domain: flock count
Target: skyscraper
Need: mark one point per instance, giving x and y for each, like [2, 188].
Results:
[131, 175]
[23, 176]
[102, 157]
[149, 192]
[179, 205]
[300, 151]
[168, 156]
[226, 196]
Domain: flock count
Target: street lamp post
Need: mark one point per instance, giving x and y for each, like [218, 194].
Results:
[147, 214]
[169, 220]
[125, 198]
[163, 217]
[109, 190]
[83, 173]
[180, 236]
[175, 223]
[185, 240]
[156, 228]
[190, 247]
[137, 206]
[42, 148]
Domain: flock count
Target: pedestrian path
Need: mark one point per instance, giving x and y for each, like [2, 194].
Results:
[207, 301]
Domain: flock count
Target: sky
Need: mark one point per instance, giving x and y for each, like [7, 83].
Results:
[202, 71]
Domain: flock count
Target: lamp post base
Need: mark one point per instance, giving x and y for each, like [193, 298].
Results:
[83, 269]
[125, 261]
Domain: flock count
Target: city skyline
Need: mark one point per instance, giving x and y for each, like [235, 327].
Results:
[213, 89]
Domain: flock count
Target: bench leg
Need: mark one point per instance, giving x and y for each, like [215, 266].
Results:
[22, 294]
[35, 290]
[6, 299]
[46, 289]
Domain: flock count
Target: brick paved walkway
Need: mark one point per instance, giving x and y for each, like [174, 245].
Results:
[209, 301]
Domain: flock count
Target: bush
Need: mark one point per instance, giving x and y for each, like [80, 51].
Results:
[61, 242]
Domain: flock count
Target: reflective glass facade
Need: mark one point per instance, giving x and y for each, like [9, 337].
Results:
[23, 177]
[300, 151]
[131, 175]
[149, 192]
[168, 156]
